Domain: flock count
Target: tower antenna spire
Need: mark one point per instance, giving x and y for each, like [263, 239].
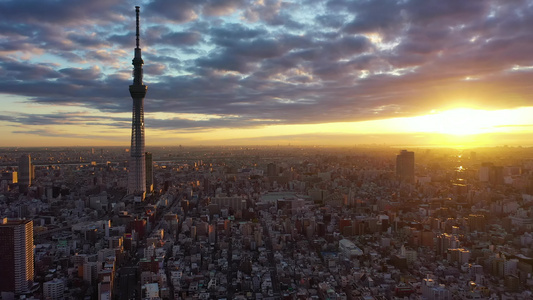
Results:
[137, 27]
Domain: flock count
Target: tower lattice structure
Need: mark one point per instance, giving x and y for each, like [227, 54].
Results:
[137, 167]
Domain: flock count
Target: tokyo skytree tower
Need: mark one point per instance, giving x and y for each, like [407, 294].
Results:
[137, 166]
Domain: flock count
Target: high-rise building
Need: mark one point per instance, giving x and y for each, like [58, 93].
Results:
[488, 172]
[149, 172]
[25, 172]
[16, 255]
[476, 222]
[272, 170]
[405, 166]
[137, 164]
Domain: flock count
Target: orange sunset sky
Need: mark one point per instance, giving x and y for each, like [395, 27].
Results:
[238, 72]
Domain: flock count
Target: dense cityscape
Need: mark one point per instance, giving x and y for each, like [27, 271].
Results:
[281, 222]
[360, 222]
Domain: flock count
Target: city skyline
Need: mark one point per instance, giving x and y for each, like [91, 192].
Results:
[424, 73]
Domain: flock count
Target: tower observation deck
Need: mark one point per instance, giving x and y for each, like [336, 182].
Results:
[137, 167]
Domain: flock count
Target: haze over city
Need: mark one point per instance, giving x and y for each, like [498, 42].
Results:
[428, 73]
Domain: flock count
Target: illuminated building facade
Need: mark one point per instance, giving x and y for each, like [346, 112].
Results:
[16, 255]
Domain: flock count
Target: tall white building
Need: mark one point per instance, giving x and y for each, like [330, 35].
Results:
[54, 289]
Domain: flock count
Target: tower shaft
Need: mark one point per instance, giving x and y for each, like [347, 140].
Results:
[137, 167]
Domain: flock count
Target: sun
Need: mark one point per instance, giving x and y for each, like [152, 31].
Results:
[462, 121]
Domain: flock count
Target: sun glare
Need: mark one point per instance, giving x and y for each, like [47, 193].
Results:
[467, 121]
[461, 121]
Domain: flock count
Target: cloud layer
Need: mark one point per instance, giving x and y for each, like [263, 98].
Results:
[253, 63]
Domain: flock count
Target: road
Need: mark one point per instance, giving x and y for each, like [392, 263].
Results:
[271, 260]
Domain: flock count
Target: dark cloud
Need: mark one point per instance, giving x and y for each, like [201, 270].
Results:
[267, 11]
[458, 11]
[187, 125]
[175, 11]
[221, 7]
[383, 16]
[57, 12]
[269, 60]
[154, 69]
[232, 33]
[173, 124]
[52, 133]
[50, 119]
[91, 40]
[78, 74]
[178, 39]
[21, 72]
[226, 61]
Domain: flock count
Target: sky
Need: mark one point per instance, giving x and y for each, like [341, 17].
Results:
[238, 72]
